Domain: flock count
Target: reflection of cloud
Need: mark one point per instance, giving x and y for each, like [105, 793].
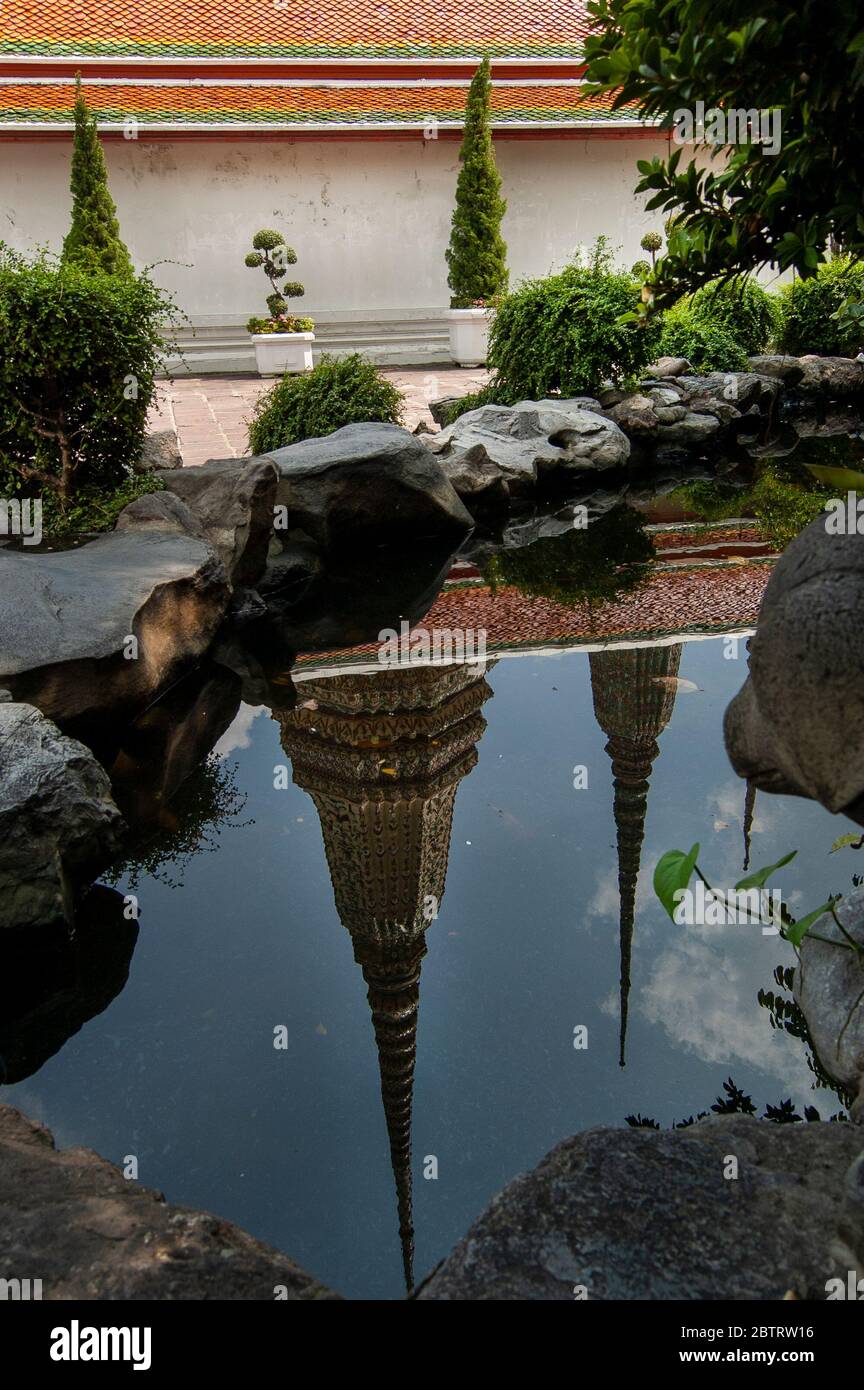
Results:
[727, 802]
[705, 999]
[606, 903]
[238, 735]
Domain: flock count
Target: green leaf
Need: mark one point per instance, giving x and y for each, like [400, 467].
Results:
[761, 876]
[798, 930]
[854, 842]
[673, 872]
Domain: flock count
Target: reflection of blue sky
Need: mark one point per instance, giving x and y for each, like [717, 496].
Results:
[180, 1069]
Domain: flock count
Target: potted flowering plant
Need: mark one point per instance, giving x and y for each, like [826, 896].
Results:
[477, 255]
[282, 341]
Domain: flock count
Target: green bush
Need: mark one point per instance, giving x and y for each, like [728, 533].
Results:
[79, 353]
[570, 333]
[708, 346]
[810, 310]
[339, 391]
[747, 311]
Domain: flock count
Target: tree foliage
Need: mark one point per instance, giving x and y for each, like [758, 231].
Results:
[750, 209]
[93, 241]
[477, 254]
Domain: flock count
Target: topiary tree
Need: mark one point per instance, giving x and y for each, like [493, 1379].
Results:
[93, 241]
[652, 242]
[271, 251]
[477, 254]
[743, 308]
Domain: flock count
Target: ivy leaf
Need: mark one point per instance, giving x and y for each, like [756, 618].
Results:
[673, 872]
[761, 876]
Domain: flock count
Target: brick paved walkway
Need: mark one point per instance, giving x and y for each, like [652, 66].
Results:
[210, 413]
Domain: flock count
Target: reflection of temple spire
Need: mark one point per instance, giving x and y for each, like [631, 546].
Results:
[382, 756]
[749, 808]
[634, 694]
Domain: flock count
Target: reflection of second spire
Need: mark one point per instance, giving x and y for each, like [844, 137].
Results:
[634, 695]
[382, 756]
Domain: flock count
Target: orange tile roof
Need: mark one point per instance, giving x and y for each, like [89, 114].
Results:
[294, 104]
[295, 28]
[672, 602]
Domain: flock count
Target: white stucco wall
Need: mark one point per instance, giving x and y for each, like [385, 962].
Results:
[370, 221]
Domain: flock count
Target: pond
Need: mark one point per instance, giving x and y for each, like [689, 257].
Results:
[398, 939]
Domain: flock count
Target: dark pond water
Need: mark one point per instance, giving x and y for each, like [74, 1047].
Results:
[251, 931]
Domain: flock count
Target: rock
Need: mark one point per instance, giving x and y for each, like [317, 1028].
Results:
[847, 1247]
[72, 1219]
[829, 990]
[57, 818]
[833, 378]
[159, 511]
[670, 366]
[440, 410]
[644, 1214]
[739, 389]
[785, 369]
[635, 415]
[66, 618]
[526, 444]
[794, 726]
[159, 450]
[53, 981]
[232, 500]
[366, 485]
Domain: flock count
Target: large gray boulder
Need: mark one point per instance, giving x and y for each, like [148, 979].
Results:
[833, 378]
[795, 726]
[232, 500]
[57, 817]
[829, 989]
[367, 484]
[526, 444]
[788, 370]
[66, 618]
[71, 1219]
[644, 1214]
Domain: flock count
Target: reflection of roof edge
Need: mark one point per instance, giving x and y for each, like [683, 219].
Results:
[306, 669]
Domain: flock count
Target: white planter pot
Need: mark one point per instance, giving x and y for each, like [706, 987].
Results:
[469, 335]
[278, 353]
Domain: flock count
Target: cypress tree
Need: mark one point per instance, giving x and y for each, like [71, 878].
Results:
[477, 254]
[93, 240]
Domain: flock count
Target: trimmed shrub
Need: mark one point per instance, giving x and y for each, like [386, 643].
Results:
[747, 311]
[708, 346]
[93, 241]
[477, 254]
[79, 354]
[570, 333]
[810, 311]
[339, 391]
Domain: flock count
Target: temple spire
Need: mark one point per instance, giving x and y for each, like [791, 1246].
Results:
[634, 695]
[382, 756]
[749, 808]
